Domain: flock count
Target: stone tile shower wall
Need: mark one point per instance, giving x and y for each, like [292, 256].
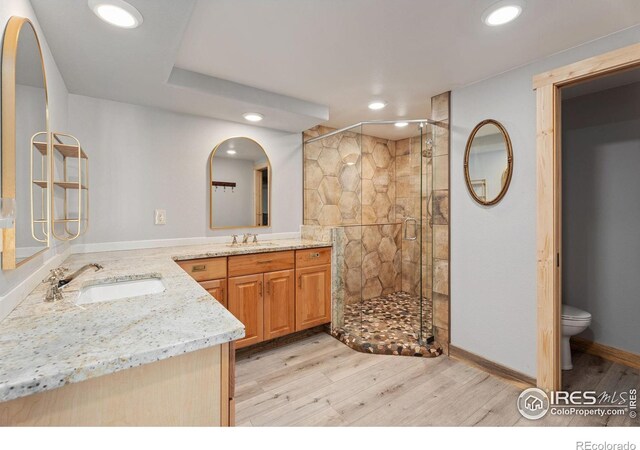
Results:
[360, 205]
[408, 205]
[353, 192]
[342, 188]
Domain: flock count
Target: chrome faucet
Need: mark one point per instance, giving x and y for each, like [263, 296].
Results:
[235, 239]
[53, 292]
[247, 236]
[77, 273]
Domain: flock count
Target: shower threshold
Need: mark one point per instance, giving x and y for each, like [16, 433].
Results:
[389, 325]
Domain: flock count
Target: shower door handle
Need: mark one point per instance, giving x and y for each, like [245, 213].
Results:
[414, 221]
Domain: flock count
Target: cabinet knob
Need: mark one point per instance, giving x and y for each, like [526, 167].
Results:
[199, 268]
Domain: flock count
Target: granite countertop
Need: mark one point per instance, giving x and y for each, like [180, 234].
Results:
[47, 345]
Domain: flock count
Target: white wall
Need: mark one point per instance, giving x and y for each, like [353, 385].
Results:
[493, 249]
[144, 158]
[58, 96]
[601, 213]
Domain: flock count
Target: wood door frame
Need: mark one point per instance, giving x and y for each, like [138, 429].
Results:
[549, 198]
[257, 176]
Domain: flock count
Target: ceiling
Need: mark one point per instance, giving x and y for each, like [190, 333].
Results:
[245, 149]
[304, 62]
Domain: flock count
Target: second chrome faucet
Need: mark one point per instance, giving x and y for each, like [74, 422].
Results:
[245, 238]
[57, 282]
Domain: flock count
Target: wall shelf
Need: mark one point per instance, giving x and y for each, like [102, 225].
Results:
[76, 161]
[66, 150]
[69, 185]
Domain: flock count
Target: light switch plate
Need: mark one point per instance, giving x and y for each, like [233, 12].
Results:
[161, 217]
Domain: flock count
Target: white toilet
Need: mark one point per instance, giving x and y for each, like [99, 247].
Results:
[574, 321]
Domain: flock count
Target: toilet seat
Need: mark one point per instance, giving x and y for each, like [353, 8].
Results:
[573, 314]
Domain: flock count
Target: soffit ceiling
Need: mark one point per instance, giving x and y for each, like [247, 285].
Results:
[301, 62]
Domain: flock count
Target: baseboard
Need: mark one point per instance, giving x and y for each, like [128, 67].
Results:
[513, 376]
[605, 352]
[247, 352]
[158, 243]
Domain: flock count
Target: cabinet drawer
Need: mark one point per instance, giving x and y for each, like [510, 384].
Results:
[260, 263]
[313, 257]
[205, 269]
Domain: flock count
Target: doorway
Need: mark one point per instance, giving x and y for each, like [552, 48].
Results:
[548, 88]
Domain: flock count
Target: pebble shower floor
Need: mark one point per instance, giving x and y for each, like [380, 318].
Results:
[388, 325]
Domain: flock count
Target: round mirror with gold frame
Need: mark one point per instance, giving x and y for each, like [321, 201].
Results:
[25, 143]
[488, 162]
[239, 185]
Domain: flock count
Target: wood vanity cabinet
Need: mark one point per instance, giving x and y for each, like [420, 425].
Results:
[262, 295]
[272, 294]
[217, 289]
[246, 302]
[279, 304]
[211, 273]
[313, 291]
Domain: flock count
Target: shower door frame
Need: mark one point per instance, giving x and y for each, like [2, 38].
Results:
[549, 198]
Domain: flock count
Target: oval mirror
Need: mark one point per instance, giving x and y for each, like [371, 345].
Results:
[239, 185]
[488, 162]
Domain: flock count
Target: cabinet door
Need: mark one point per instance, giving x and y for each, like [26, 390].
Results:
[217, 289]
[279, 303]
[246, 303]
[313, 296]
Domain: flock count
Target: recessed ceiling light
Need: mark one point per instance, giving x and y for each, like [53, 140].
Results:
[377, 105]
[253, 117]
[502, 12]
[116, 12]
[401, 124]
[231, 152]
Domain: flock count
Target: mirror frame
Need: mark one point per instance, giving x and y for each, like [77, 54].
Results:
[9, 64]
[509, 168]
[213, 152]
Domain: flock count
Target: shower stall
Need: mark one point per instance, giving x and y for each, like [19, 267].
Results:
[368, 189]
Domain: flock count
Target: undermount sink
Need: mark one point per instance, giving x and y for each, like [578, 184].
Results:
[117, 290]
[252, 244]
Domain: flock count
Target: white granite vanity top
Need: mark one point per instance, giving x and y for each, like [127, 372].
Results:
[47, 345]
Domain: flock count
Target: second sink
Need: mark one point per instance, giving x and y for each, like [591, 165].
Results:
[119, 289]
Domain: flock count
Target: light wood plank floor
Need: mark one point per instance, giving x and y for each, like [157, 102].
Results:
[319, 381]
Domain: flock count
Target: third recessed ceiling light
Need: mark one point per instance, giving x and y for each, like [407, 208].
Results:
[502, 12]
[376, 105]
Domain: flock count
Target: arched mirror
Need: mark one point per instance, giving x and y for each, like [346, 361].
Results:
[25, 147]
[488, 162]
[239, 185]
